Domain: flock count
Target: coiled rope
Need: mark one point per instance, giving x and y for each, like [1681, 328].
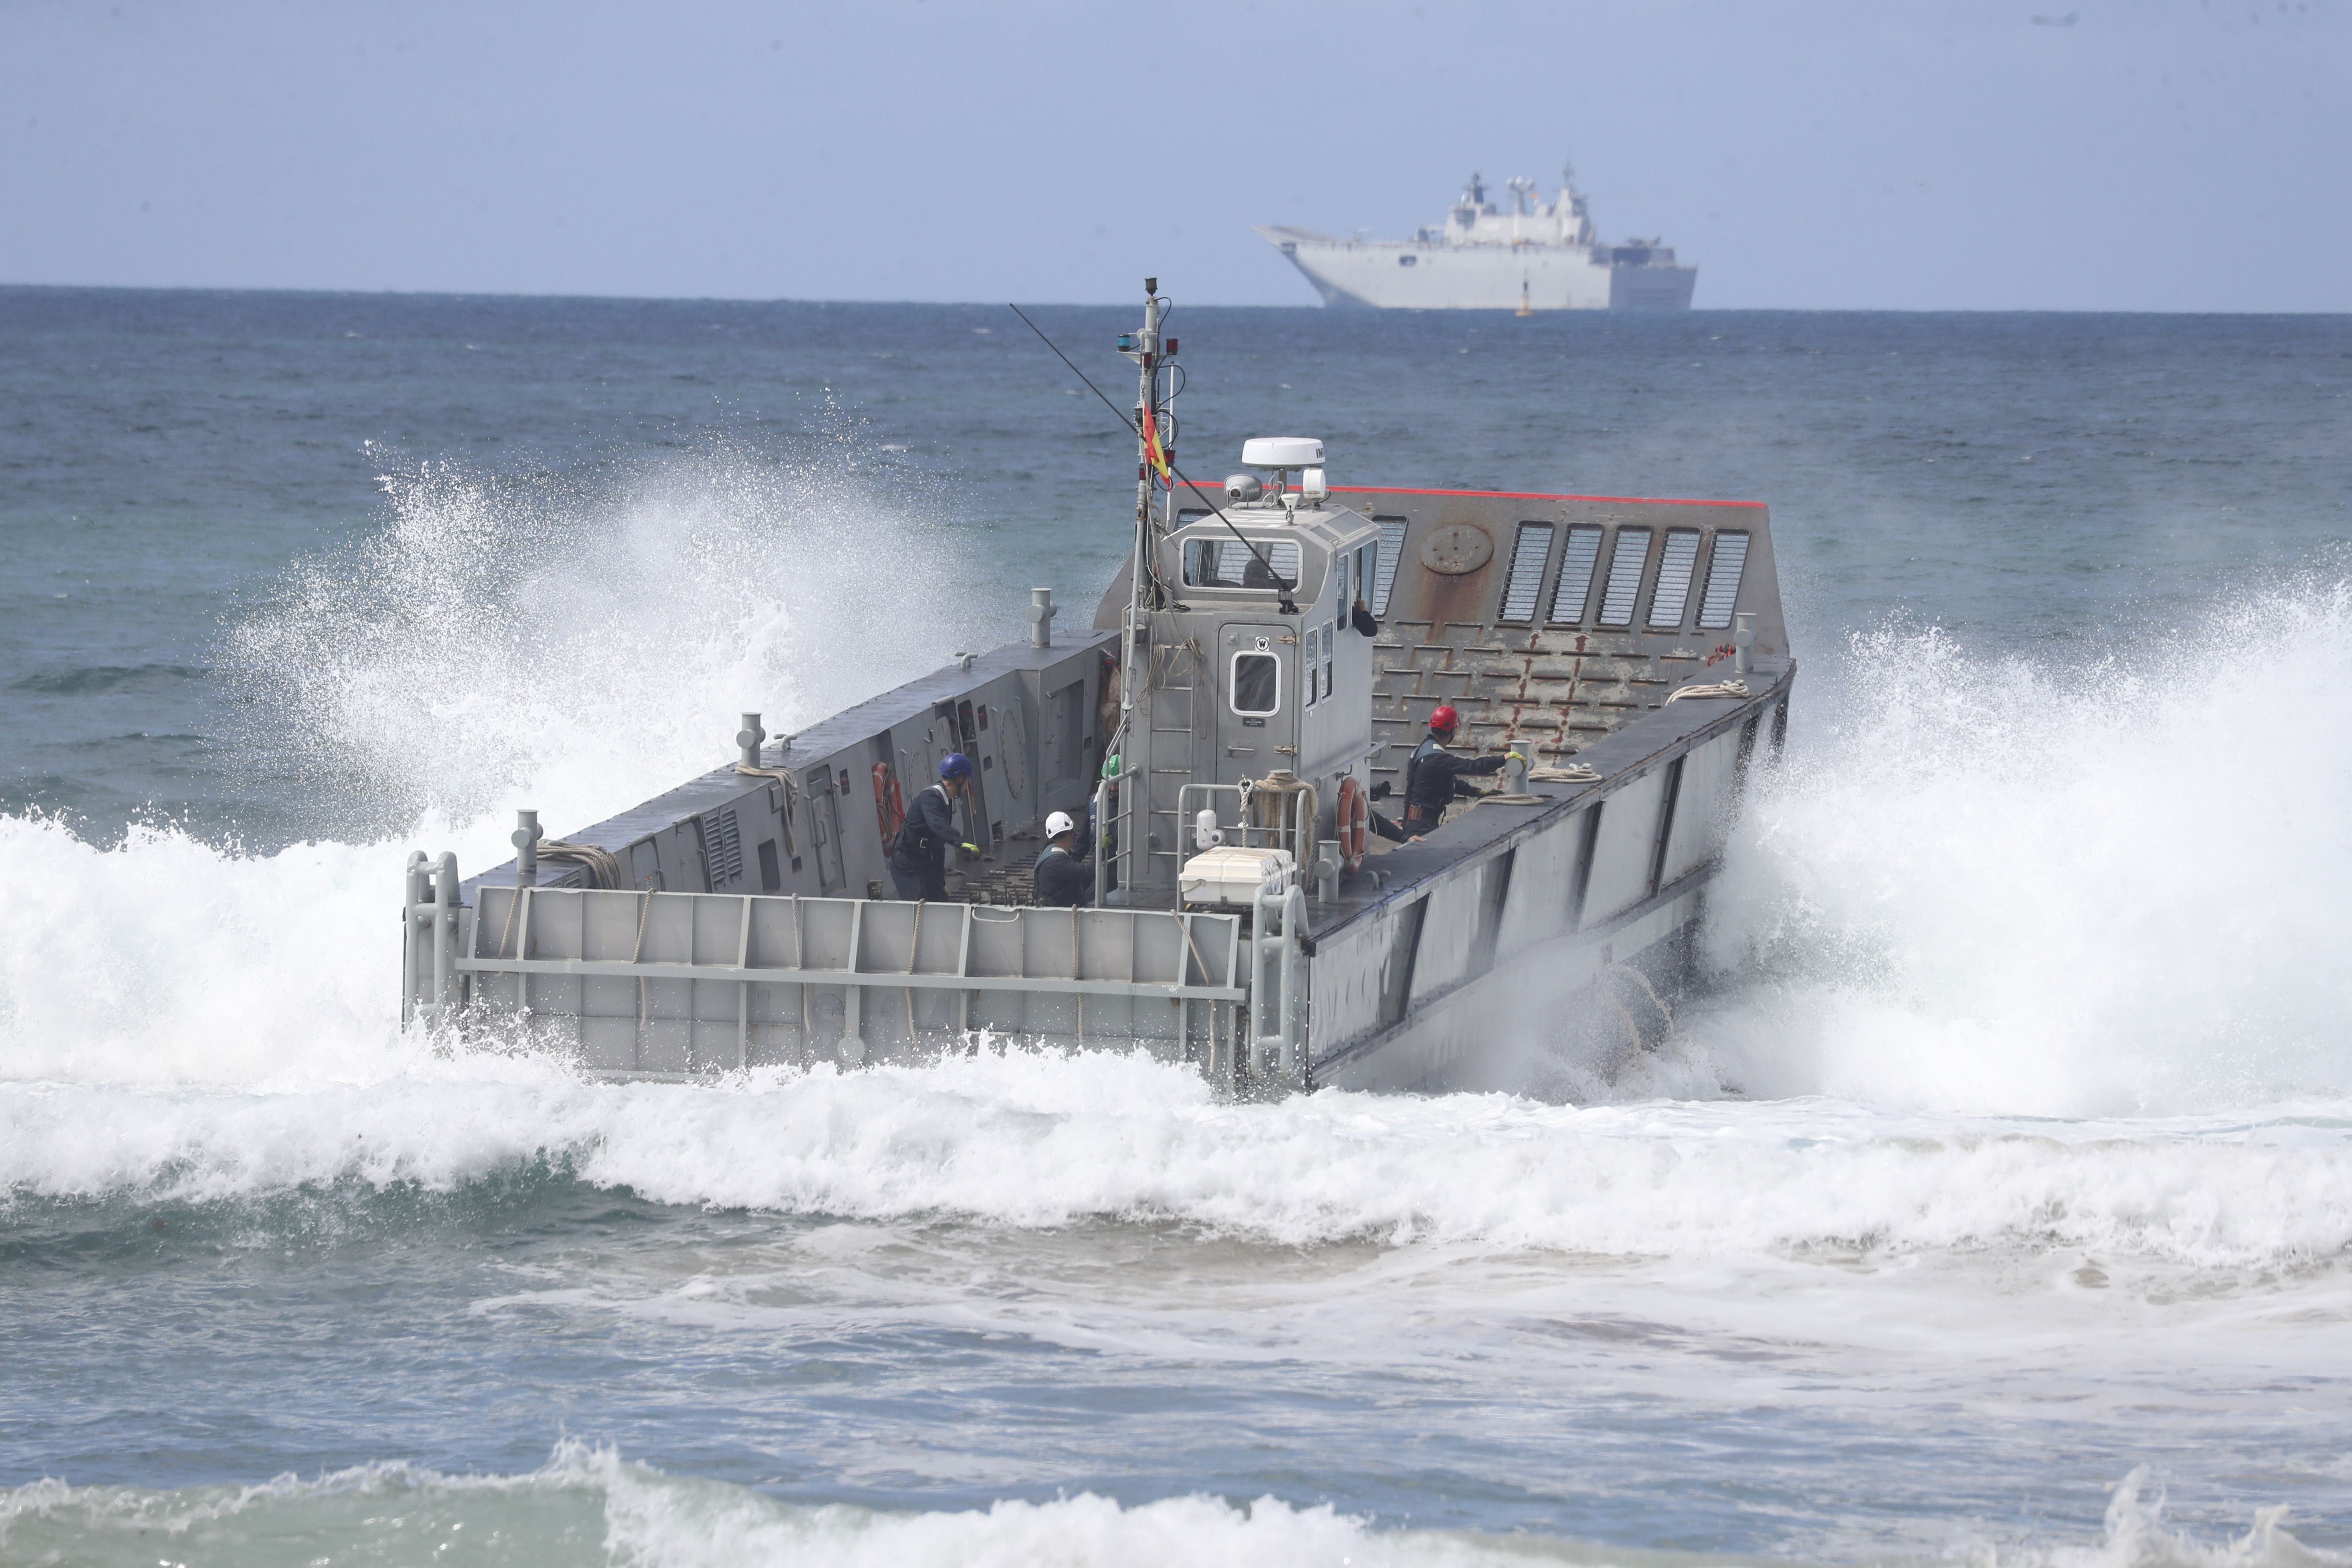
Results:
[1721, 688]
[603, 866]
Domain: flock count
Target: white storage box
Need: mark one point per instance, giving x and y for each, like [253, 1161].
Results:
[1230, 873]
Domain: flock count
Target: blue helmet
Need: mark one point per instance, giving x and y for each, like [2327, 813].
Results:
[955, 765]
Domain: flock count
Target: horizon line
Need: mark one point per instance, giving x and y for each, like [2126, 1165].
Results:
[455, 294]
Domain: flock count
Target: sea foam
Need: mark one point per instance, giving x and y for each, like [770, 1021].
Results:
[1027, 1139]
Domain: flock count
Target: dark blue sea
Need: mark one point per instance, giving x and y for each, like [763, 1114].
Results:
[1990, 1204]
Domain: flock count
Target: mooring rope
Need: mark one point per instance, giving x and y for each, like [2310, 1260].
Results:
[513, 904]
[603, 866]
[645, 908]
[1721, 688]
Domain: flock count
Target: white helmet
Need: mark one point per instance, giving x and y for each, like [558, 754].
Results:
[1058, 823]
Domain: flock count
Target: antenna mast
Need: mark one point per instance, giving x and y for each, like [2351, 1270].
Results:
[1153, 466]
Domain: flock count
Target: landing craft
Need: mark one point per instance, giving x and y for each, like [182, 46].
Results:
[1229, 734]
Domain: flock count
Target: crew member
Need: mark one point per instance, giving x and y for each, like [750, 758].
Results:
[1361, 620]
[919, 861]
[1434, 776]
[1065, 880]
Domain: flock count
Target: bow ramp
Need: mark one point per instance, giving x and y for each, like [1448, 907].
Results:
[648, 984]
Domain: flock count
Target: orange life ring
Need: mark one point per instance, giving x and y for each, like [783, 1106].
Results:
[889, 807]
[1352, 822]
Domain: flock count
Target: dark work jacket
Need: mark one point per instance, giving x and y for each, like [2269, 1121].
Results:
[1361, 620]
[1436, 778]
[929, 829]
[1064, 881]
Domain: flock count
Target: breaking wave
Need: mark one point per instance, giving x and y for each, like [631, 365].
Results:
[581, 643]
[589, 1505]
[1039, 1139]
[1986, 884]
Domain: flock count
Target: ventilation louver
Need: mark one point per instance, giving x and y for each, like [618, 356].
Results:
[722, 846]
[1723, 580]
[1526, 580]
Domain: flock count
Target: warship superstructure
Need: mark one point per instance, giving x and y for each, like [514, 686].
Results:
[1527, 255]
[1226, 729]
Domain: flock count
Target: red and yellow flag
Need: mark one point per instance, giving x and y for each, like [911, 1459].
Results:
[1153, 452]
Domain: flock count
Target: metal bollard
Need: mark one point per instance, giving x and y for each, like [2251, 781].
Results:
[1743, 642]
[444, 935]
[748, 737]
[413, 895]
[525, 838]
[1327, 871]
[1041, 617]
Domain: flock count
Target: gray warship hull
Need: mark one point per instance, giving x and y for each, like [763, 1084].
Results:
[1525, 255]
[1432, 275]
[740, 921]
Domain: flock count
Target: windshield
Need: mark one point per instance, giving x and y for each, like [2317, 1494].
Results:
[1230, 564]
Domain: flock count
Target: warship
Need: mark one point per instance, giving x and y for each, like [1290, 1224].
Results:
[1226, 730]
[1532, 256]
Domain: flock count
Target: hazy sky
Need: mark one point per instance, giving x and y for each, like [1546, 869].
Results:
[2171, 156]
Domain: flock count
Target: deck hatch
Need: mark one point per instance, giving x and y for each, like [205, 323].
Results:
[1723, 580]
[1625, 566]
[1675, 564]
[1384, 562]
[1576, 564]
[1526, 580]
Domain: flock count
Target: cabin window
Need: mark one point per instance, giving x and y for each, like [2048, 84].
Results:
[1256, 684]
[1676, 563]
[1193, 514]
[1312, 659]
[1526, 580]
[1329, 632]
[1624, 576]
[1576, 563]
[1723, 580]
[1384, 561]
[1230, 564]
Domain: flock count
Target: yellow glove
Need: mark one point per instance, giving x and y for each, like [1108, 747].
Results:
[1515, 756]
[969, 848]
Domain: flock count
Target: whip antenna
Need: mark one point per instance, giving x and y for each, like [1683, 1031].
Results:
[1282, 585]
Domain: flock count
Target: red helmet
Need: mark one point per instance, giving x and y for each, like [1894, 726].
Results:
[1444, 717]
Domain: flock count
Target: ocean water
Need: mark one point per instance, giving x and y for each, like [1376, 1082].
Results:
[1990, 1204]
